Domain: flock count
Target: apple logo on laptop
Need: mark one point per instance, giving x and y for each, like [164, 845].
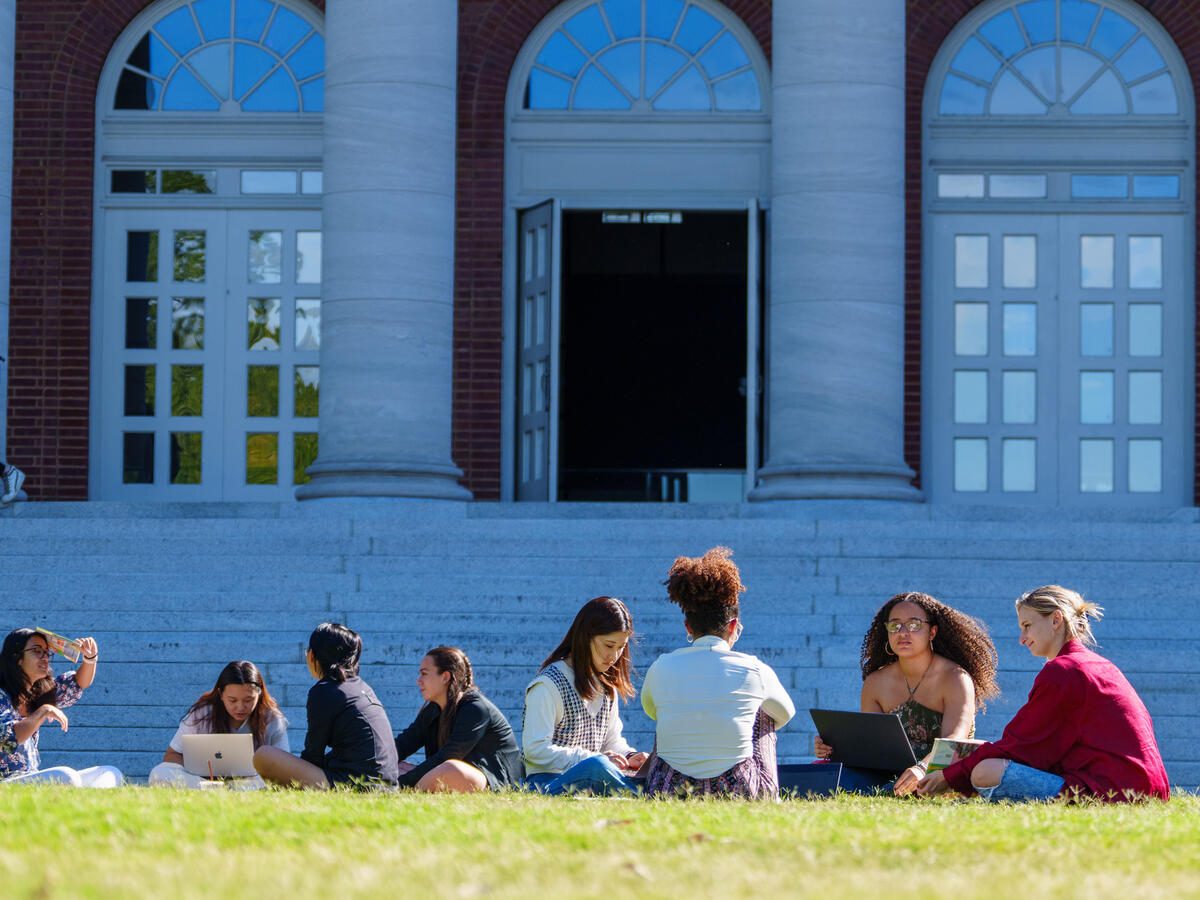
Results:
[218, 755]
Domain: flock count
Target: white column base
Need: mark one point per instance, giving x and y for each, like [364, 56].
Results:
[381, 479]
[835, 481]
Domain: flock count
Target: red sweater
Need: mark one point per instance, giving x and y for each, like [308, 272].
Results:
[1084, 722]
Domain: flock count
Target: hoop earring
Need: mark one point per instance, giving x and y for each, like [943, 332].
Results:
[690, 638]
[887, 648]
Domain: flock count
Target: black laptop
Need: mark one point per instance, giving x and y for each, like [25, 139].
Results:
[865, 740]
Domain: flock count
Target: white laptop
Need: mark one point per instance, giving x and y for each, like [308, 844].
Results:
[219, 755]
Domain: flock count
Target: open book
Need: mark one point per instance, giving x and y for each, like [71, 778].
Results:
[947, 751]
[59, 644]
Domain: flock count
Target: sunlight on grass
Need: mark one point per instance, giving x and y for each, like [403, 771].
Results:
[138, 842]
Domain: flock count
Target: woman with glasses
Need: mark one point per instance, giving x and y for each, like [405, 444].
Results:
[716, 710]
[1083, 731]
[30, 696]
[931, 665]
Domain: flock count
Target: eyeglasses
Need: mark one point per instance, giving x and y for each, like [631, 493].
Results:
[912, 626]
[39, 652]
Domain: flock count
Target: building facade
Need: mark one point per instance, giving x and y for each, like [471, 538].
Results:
[646, 250]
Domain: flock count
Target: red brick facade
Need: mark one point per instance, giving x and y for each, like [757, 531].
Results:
[61, 48]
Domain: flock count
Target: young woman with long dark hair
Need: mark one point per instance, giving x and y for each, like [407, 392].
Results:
[572, 734]
[239, 703]
[932, 665]
[469, 745]
[349, 741]
[30, 696]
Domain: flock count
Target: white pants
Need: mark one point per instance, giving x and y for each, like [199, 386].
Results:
[174, 775]
[94, 777]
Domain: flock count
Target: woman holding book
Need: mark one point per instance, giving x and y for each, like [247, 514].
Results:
[349, 741]
[936, 692]
[1083, 731]
[239, 703]
[716, 710]
[30, 696]
[572, 735]
[469, 745]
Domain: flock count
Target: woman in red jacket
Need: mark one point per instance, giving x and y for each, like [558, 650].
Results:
[1083, 731]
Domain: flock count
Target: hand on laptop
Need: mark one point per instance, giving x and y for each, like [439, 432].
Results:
[636, 760]
[821, 749]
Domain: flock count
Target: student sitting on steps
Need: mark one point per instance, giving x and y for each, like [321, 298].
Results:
[349, 741]
[572, 732]
[469, 745]
[239, 703]
[1083, 731]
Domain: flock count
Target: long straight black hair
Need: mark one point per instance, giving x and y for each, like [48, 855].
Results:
[13, 680]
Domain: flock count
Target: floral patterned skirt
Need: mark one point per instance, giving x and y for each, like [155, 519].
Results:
[756, 778]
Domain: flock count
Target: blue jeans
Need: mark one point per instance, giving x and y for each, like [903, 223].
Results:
[596, 775]
[1023, 783]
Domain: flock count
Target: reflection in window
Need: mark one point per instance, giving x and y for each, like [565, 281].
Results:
[141, 256]
[971, 398]
[1096, 329]
[971, 464]
[960, 186]
[1099, 186]
[1060, 57]
[306, 385]
[970, 329]
[1145, 398]
[308, 257]
[139, 390]
[1020, 261]
[1019, 465]
[263, 323]
[643, 55]
[304, 454]
[1095, 466]
[1145, 466]
[185, 457]
[1096, 398]
[137, 457]
[181, 181]
[266, 257]
[187, 390]
[262, 458]
[141, 323]
[188, 61]
[1020, 398]
[268, 181]
[189, 255]
[1145, 329]
[187, 323]
[1156, 187]
[971, 260]
[1020, 329]
[134, 181]
[262, 391]
[1146, 262]
[1096, 261]
[1017, 186]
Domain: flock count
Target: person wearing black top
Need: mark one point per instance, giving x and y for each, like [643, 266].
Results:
[344, 715]
[469, 745]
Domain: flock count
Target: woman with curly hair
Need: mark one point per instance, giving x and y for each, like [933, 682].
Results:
[934, 667]
[715, 710]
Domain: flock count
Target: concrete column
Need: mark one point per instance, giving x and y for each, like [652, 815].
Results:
[8, 33]
[836, 315]
[387, 308]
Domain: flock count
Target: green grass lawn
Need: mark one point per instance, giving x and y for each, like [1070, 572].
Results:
[141, 842]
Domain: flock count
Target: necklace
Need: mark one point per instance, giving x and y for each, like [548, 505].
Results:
[913, 690]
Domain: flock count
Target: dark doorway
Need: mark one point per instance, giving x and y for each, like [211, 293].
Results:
[653, 362]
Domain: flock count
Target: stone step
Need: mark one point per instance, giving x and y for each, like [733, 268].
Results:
[247, 564]
[54, 582]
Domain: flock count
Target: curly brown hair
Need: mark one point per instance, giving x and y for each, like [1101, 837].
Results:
[706, 588]
[961, 639]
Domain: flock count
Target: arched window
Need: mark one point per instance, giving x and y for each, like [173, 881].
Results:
[226, 55]
[1058, 296]
[645, 56]
[1058, 58]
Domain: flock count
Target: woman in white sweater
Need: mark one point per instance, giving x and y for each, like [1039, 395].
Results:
[571, 736]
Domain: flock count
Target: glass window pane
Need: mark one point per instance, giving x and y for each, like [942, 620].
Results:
[1112, 33]
[561, 55]
[1077, 18]
[723, 57]
[181, 181]
[136, 91]
[286, 31]
[957, 186]
[1020, 329]
[137, 458]
[971, 329]
[306, 384]
[1040, 68]
[1145, 398]
[738, 92]
[263, 323]
[268, 181]
[184, 93]
[309, 59]
[970, 464]
[308, 257]
[971, 398]
[1040, 19]
[308, 324]
[971, 260]
[1145, 466]
[262, 391]
[1019, 464]
[187, 390]
[266, 257]
[1096, 261]
[189, 256]
[139, 390]
[1020, 398]
[1003, 187]
[1020, 261]
[690, 91]
[588, 28]
[134, 181]
[141, 323]
[976, 60]
[1140, 60]
[1157, 187]
[1095, 466]
[141, 256]
[262, 458]
[696, 30]
[1105, 97]
[547, 91]
[304, 454]
[1096, 398]
[1096, 329]
[312, 182]
[185, 456]
[212, 65]
[595, 91]
[1145, 329]
[1100, 186]
[1146, 262]
[1076, 69]
[187, 323]
[961, 97]
[179, 30]
[1155, 97]
[1003, 33]
[1011, 97]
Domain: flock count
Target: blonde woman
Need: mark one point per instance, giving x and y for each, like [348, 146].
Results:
[1083, 730]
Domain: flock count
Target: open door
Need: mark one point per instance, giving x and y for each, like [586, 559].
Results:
[537, 329]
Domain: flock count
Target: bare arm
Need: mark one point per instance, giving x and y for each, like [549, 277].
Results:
[86, 673]
[23, 729]
[173, 756]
